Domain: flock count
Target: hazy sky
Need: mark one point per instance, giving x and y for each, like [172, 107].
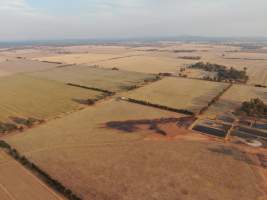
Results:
[60, 19]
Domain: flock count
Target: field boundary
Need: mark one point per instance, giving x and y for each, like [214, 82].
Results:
[41, 174]
[91, 88]
[52, 62]
[214, 100]
[145, 103]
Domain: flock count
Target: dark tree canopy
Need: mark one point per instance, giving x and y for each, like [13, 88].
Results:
[223, 73]
[254, 107]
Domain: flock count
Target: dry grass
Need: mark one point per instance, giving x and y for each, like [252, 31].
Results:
[84, 58]
[21, 65]
[98, 49]
[17, 183]
[25, 96]
[97, 162]
[106, 79]
[152, 63]
[179, 93]
[234, 97]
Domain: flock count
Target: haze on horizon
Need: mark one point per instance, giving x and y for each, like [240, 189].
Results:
[60, 19]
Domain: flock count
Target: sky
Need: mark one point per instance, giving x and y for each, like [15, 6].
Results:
[86, 19]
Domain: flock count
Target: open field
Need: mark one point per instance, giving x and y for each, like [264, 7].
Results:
[179, 93]
[152, 63]
[25, 96]
[21, 65]
[18, 183]
[99, 49]
[116, 160]
[107, 79]
[2, 59]
[85, 58]
[28, 53]
[234, 97]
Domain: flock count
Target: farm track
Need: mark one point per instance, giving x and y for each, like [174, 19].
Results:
[30, 174]
[39, 181]
[5, 190]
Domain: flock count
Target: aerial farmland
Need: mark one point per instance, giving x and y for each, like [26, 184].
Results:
[133, 121]
[77, 152]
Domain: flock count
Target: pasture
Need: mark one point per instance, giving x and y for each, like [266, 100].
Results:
[106, 79]
[234, 97]
[98, 160]
[82, 58]
[17, 182]
[150, 63]
[16, 66]
[99, 49]
[179, 93]
[25, 96]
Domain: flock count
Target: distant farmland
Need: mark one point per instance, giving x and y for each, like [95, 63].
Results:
[21, 65]
[106, 79]
[234, 97]
[147, 64]
[25, 96]
[98, 160]
[85, 58]
[179, 93]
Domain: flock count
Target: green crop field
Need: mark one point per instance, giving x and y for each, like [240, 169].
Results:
[179, 93]
[26, 96]
[102, 153]
[105, 79]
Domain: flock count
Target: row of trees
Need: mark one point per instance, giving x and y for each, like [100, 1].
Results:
[187, 112]
[214, 100]
[91, 88]
[18, 124]
[56, 185]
